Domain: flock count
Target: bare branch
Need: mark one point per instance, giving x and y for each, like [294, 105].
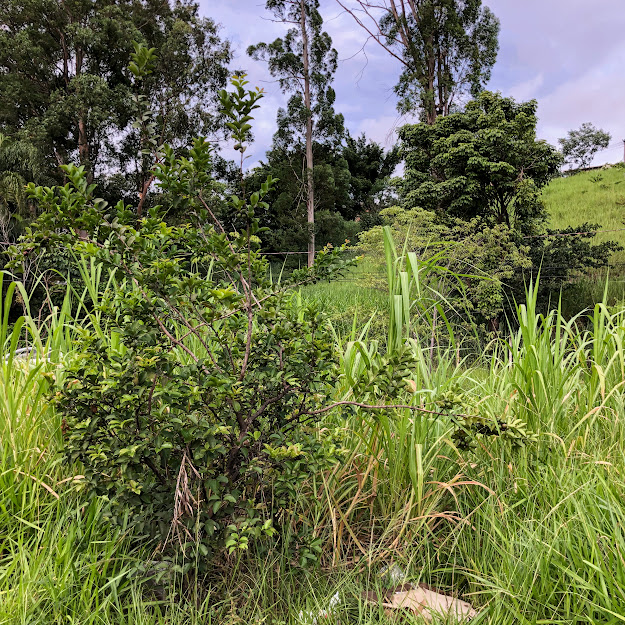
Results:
[374, 32]
[379, 407]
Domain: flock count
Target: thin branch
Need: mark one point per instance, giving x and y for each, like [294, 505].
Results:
[375, 34]
[379, 407]
[266, 404]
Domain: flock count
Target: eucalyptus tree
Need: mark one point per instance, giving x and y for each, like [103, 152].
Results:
[304, 63]
[447, 48]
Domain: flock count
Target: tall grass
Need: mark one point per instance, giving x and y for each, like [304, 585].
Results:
[58, 559]
[529, 534]
[396, 483]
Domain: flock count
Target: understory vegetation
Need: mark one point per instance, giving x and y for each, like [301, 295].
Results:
[509, 492]
[274, 395]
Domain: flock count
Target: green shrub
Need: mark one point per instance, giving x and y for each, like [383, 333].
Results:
[190, 423]
[471, 262]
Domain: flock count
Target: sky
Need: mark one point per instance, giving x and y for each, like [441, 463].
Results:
[567, 54]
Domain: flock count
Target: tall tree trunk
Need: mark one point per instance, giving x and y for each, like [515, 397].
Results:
[430, 94]
[310, 195]
[83, 146]
[83, 142]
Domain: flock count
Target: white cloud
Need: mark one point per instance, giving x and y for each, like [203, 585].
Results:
[595, 96]
[528, 89]
[561, 36]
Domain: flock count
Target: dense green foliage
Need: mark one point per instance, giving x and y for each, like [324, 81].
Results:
[68, 96]
[476, 178]
[484, 162]
[190, 419]
[351, 183]
[513, 530]
[486, 257]
[188, 436]
[65, 87]
[19, 163]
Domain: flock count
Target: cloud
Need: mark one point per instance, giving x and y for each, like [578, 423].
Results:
[382, 130]
[559, 38]
[569, 55]
[527, 90]
[596, 96]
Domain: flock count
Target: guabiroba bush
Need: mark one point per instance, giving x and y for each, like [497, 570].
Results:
[193, 419]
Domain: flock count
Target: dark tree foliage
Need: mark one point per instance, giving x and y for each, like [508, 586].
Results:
[349, 184]
[19, 163]
[65, 87]
[484, 162]
[286, 220]
[370, 168]
[67, 95]
[562, 256]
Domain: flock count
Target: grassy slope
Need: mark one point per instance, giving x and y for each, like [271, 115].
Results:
[594, 196]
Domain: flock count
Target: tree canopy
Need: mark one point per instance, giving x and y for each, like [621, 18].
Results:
[65, 87]
[349, 181]
[580, 146]
[484, 162]
[447, 48]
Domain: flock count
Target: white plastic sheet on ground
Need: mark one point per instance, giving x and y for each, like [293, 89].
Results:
[423, 601]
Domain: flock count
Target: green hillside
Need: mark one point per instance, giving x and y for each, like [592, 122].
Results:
[593, 196]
